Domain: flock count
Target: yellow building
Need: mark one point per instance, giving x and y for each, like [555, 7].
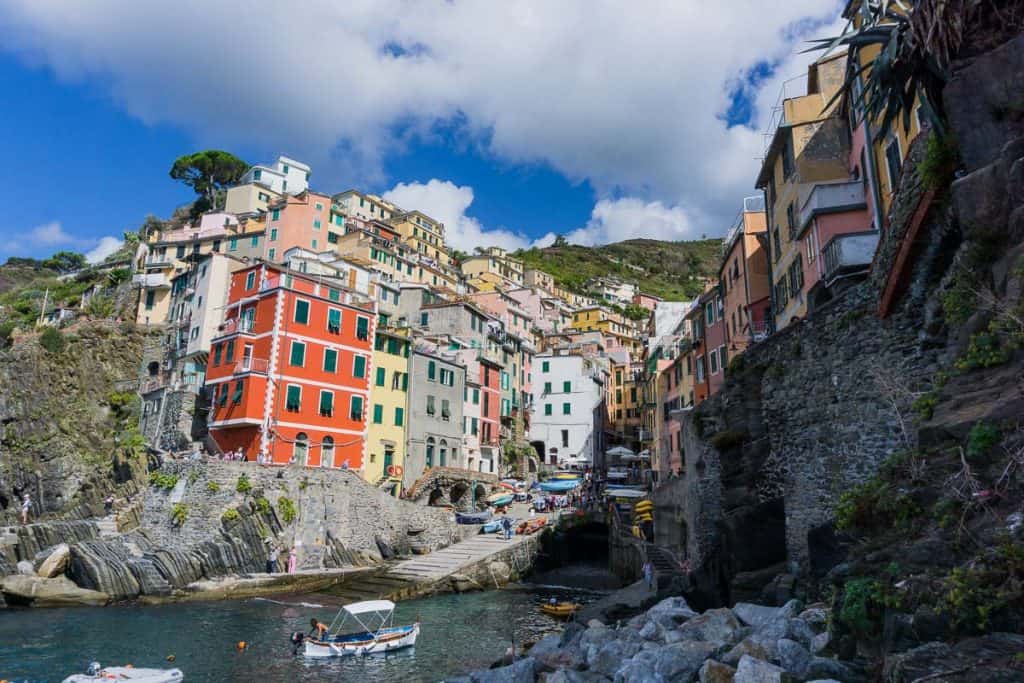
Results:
[494, 261]
[486, 282]
[808, 147]
[423, 234]
[602, 320]
[251, 198]
[364, 206]
[388, 413]
[624, 397]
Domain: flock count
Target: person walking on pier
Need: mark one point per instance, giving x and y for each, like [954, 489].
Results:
[506, 524]
[26, 506]
[272, 560]
[649, 574]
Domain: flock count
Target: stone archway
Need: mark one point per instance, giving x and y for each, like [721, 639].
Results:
[437, 497]
[460, 496]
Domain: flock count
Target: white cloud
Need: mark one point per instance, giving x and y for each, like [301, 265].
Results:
[52, 236]
[447, 202]
[106, 246]
[627, 97]
[614, 220]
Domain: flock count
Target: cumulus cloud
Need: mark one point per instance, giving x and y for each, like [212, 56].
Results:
[447, 202]
[104, 248]
[631, 101]
[614, 220]
[53, 236]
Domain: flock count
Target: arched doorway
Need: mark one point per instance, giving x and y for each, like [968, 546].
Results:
[430, 452]
[300, 449]
[327, 452]
[460, 496]
[480, 496]
[443, 452]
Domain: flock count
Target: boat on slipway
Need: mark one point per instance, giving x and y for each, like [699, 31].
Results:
[377, 633]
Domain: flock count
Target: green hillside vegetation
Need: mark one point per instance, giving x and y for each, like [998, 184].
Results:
[675, 271]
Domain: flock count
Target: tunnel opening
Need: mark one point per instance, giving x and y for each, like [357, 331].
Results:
[576, 556]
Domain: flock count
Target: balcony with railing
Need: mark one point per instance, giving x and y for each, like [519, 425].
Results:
[257, 366]
[831, 198]
[152, 280]
[849, 253]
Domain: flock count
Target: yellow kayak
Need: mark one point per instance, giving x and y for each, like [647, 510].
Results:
[562, 610]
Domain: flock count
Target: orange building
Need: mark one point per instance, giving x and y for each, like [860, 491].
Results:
[303, 220]
[288, 378]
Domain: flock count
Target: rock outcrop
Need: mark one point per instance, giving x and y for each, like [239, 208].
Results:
[37, 591]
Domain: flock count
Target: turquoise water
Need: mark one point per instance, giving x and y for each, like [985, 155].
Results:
[459, 633]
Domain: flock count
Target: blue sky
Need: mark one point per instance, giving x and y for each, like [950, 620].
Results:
[511, 123]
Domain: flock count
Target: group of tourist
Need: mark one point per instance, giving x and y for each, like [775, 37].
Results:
[273, 558]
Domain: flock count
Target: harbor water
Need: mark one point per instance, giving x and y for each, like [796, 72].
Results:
[460, 632]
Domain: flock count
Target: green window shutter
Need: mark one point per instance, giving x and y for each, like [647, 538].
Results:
[229, 354]
[293, 398]
[301, 311]
[431, 370]
[405, 381]
[237, 397]
[566, 408]
[399, 416]
[545, 366]
[334, 321]
[255, 241]
[298, 354]
[330, 360]
[273, 234]
[356, 413]
[475, 426]
[250, 279]
[333, 294]
[223, 399]
[233, 244]
[359, 367]
[276, 214]
[327, 403]
[476, 397]
[381, 373]
[567, 387]
[547, 408]
[378, 413]
[217, 350]
[547, 387]
[362, 328]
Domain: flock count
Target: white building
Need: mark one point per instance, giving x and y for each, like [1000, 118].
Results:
[568, 415]
[284, 176]
[612, 289]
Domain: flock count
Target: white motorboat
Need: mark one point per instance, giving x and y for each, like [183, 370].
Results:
[377, 632]
[98, 674]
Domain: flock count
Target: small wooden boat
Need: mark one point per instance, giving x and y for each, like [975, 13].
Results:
[473, 517]
[378, 634]
[531, 526]
[561, 610]
[559, 485]
[98, 674]
[500, 499]
[495, 525]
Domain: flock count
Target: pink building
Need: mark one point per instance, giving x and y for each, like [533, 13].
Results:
[302, 220]
[648, 301]
[675, 399]
[715, 337]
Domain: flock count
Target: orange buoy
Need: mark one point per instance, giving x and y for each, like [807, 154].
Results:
[241, 645]
[170, 658]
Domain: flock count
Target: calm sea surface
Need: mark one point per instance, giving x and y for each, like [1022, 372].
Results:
[459, 633]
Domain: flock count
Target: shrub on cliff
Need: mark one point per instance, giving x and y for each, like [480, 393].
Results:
[52, 340]
[231, 515]
[179, 513]
[263, 505]
[287, 509]
[212, 486]
[875, 504]
[243, 485]
[163, 481]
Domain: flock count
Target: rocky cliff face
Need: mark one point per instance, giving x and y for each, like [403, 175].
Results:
[63, 416]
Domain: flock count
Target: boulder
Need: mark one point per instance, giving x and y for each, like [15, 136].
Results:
[751, 670]
[794, 657]
[56, 563]
[820, 642]
[825, 667]
[500, 571]
[608, 659]
[816, 616]
[636, 672]
[25, 567]
[756, 646]
[650, 631]
[596, 637]
[522, 671]
[682, 661]
[718, 626]
[546, 645]
[716, 672]
[756, 615]
[37, 591]
[570, 676]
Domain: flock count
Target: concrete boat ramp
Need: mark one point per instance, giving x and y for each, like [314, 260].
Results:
[484, 561]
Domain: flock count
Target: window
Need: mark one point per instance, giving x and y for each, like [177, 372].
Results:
[700, 368]
[378, 414]
[545, 366]
[547, 387]
[257, 174]
[180, 252]
[229, 351]
[217, 349]
[236, 399]
[314, 244]
[430, 405]
[330, 360]
[293, 398]
[632, 394]
[893, 162]
[447, 377]
[222, 400]
[618, 395]
[356, 408]
[273, 234]
[250, 279]
[474, 426]
[381, 375]
[796, 276]
[362, 328]
[255, 242]
[233, 244]
[326, 403]
[334, 320]
[430, 451]
[359, 366]
[709, 313]
[788, 161]
[566, 408]
[567, 387]
[423, 319]
[301, 311]
[150, 300]
[565, 438]
[547, 408]
[713, 361]
[275, 214]
[446, 412]
[476, 397]
[399, 417]
[297, 356]
[271, 253]
[431, 371]
[316, 224]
